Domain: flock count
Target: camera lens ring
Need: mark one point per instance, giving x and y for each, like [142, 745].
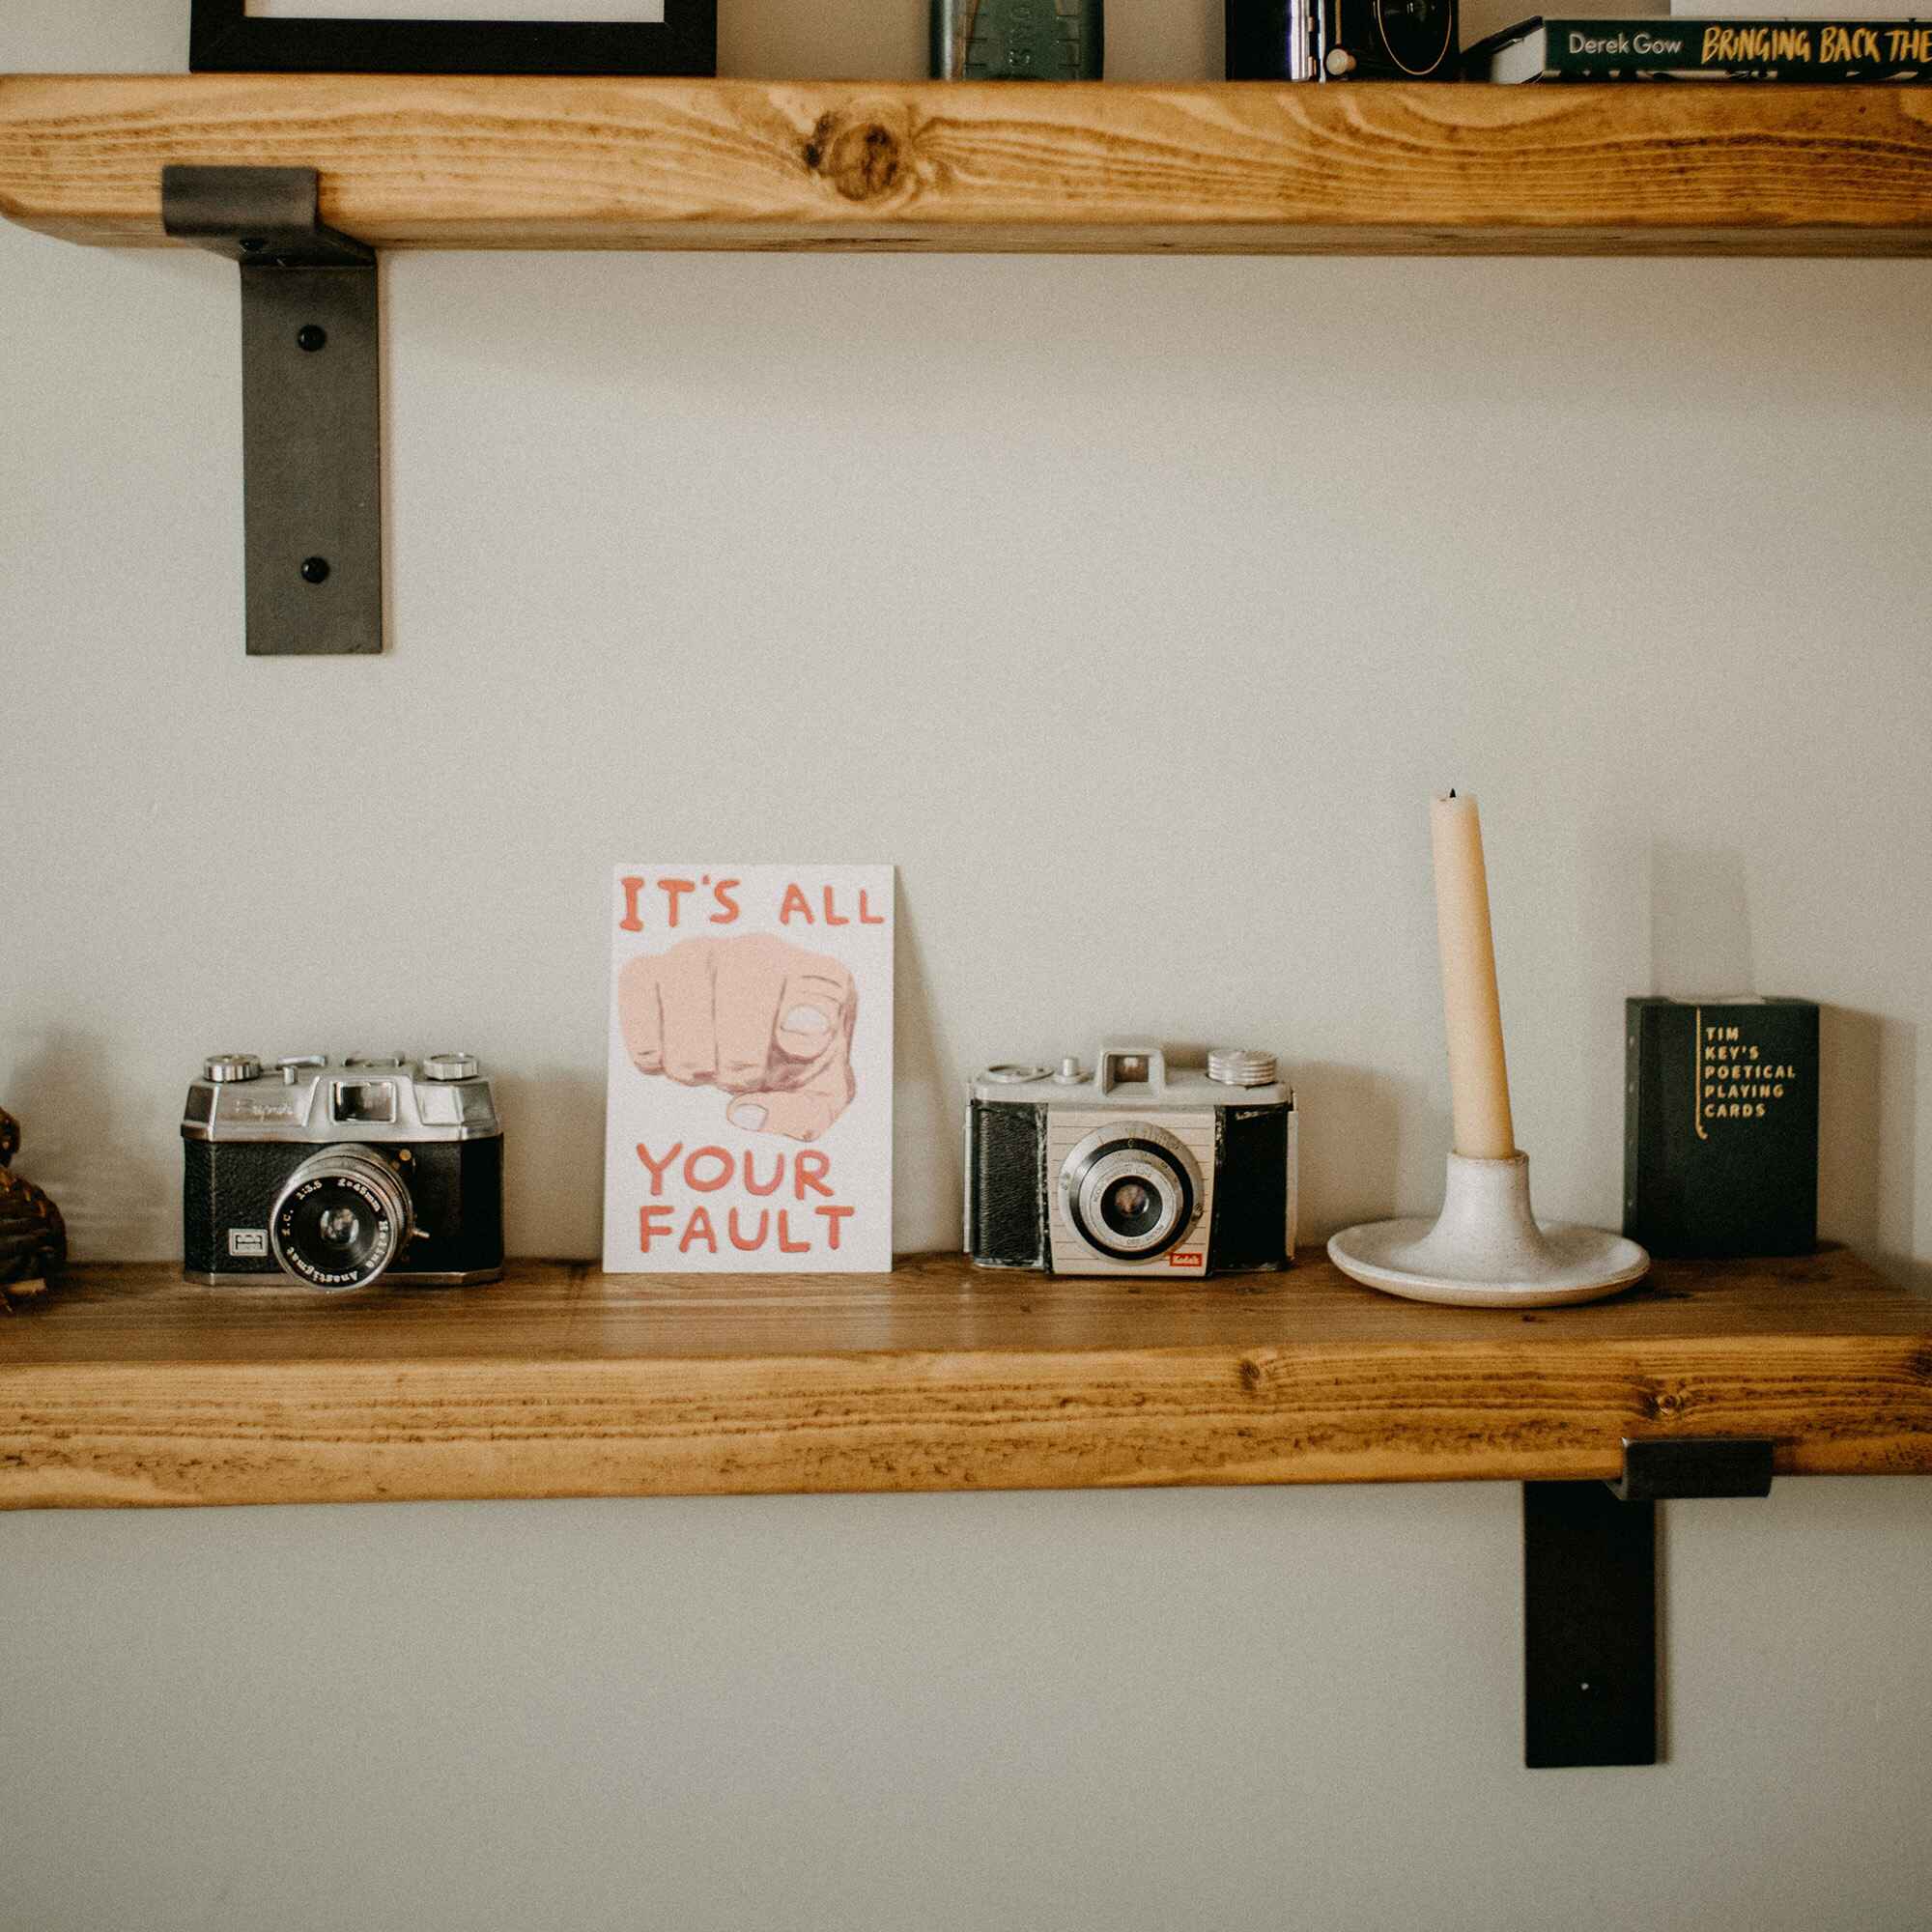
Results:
[1131, 1204]
[340, 1221]
[1104, 1171]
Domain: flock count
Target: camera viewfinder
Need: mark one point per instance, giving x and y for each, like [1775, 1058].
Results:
[371, 1100]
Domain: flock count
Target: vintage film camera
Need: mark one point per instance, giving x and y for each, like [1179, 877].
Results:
[1342, 40]
[1132, 1168]
[338, 1174]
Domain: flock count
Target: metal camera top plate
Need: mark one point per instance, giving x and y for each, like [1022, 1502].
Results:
[313, 1101]
[1168, 1089]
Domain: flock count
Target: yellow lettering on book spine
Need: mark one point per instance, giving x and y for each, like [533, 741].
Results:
[1730, 1079]
[1771, 45]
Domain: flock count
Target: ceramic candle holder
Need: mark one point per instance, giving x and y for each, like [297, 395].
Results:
[1485, 1249]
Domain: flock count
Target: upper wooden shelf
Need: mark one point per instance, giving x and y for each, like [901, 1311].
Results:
[129, 1387]
[565, 164]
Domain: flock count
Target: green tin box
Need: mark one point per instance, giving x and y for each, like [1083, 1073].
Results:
[1018, 40]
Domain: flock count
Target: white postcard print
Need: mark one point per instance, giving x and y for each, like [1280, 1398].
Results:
[749, 1111]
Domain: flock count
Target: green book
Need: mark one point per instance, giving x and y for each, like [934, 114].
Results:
[1799, 50]
[1720, 1125]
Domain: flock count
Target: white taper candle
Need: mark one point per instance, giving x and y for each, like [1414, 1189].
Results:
[1478, 1076]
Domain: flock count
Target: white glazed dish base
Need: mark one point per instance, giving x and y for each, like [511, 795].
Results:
[1487, 1250]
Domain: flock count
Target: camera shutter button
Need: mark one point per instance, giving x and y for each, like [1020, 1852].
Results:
[450, 1066]
[225, 1069]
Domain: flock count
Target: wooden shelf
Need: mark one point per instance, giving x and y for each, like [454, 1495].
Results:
[132, 1387]
[565, 164]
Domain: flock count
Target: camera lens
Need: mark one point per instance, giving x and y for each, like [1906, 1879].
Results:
[341, 1220]
[1130, 1192]
[339, 1227]
[1130, 1207]
[1415, 32]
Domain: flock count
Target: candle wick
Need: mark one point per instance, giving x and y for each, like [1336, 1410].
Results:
[1452, 791]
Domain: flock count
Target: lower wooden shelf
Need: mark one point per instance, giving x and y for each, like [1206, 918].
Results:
[133, 1388]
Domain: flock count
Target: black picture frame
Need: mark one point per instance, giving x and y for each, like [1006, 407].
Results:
[224, 39]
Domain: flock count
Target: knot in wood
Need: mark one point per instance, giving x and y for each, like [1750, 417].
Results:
[865, 159]
[1259, 1372]
[1661, 1405]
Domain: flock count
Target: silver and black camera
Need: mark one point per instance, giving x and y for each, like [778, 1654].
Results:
[1132, 1168]
[339, 1174]
[1342, 40]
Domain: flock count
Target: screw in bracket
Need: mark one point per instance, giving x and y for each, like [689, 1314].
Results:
[315, 570]
[310, 337]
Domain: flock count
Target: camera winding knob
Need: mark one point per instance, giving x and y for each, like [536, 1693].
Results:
[451, 1067]
[1240, 1067]
[222, 1068]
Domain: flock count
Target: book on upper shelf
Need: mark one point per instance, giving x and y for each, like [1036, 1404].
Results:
[1720, 1125]
[1708, 48]
[1858, 13]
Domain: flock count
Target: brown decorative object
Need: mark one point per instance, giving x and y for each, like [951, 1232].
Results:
[134, 1388]
[33, 1237]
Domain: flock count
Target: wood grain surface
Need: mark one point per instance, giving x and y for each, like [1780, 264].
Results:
[458, 162]
[134, 1388]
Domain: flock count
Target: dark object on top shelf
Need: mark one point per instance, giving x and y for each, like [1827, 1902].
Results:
[33, 1237]
[1720, 1128]
[1342, 40]
[1648, 48]
[1018, 40]
[668, 37]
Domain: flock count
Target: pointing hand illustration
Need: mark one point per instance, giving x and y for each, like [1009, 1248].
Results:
[752, 1015]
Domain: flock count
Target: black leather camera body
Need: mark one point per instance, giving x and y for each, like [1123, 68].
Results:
[337, 1174]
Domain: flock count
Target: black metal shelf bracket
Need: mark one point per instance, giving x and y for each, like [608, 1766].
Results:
[311, 405]
[1589, 1576]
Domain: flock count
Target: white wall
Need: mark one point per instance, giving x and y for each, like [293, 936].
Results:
[1132, 607]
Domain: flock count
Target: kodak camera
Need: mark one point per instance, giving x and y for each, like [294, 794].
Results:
[1342, 40]
[1132, 1168]
[338, 1174]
